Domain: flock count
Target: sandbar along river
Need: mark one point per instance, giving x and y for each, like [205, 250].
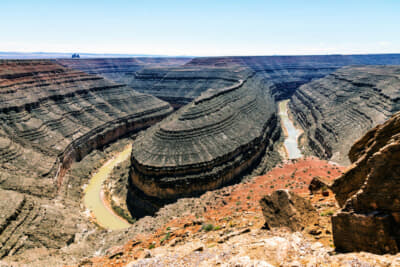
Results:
[291, 132]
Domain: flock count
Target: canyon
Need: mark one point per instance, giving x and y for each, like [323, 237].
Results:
[202, 125]
[338, 109]
[52, 116]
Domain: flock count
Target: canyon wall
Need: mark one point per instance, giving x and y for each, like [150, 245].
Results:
[207, 143]
[338, 109]
[171, 156]
[284, 74]
[120, 70]
[51, 116]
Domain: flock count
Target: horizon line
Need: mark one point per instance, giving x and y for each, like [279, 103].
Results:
[189, 56]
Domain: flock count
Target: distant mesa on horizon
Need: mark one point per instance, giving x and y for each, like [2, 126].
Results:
[50, 55]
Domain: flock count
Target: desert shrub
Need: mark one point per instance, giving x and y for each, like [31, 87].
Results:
[207, 227]
[166, 237]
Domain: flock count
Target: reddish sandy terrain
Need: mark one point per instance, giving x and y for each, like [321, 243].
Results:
[236, 207]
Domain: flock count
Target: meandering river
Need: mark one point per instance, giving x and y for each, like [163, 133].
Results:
[291, 132]
[106, 217]
[93, 199]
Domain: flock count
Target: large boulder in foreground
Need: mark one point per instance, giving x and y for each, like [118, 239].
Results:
[369, 193]
[285, 208]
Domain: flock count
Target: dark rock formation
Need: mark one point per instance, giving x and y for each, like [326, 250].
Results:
[284, 208]
[51, 116]
[120, 70]
[284, 74]
[336, 110]
[369, 193]
[207, 143]
[181, 85]
[318, 184]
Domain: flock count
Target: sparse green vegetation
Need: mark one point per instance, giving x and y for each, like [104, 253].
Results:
[166, 237]
[207, 227]
[327, 213]
[216, 228]
[122, 213]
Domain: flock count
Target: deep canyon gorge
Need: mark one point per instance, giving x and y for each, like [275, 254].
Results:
[199, 128]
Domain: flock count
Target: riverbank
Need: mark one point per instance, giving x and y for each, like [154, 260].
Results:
[291, 133]
[94, 196]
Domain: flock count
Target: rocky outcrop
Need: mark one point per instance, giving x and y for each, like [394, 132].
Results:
[369, 193]
[28, 222]
[51, 116]
[285, 208]
[128, 71]
[207, 143]
[180, 85]
[336, 110]
[318, 184]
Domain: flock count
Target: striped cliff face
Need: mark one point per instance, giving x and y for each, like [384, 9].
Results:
[51, 116]
[338, 109]
[207, 143]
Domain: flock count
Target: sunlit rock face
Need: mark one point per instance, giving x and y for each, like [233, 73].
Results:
[186, 154]
[141, 74]
[51, 116]
[181, 84]
[209, 142]
[369, 193]
[338, 109]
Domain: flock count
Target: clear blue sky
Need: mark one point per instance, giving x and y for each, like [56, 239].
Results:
[201, 27]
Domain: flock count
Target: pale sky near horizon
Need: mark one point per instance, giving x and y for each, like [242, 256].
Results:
[201, 28]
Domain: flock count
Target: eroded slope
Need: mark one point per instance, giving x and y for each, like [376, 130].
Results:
[336, 110]
[207, 143]
[284, 74]
[51, 116]
[120, 70]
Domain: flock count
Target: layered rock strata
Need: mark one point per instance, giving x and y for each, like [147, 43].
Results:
[180, 85]
[207, 143]
[336, 110]
[120, 70]
[284, 74]
[51, 116]
[369, 193]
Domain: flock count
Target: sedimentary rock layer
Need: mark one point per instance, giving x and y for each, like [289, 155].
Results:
[207, 143]
[51, 115]
[181, 85]
[284, 74]
[120, 70]
[336, 110]
[369, 193]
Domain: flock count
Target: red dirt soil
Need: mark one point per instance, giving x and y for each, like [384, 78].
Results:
[235, 207]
